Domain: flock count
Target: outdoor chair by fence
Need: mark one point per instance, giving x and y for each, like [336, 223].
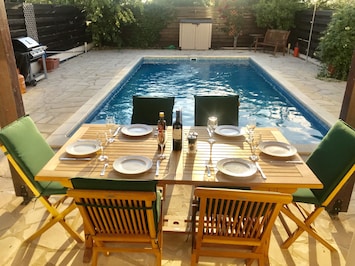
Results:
[27, 151]
[235, 223]
[274, 38]
[125, 212]
[333, 161]
[224, 107]
[146, 109]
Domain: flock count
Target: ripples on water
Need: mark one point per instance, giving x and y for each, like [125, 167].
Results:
[184, 79]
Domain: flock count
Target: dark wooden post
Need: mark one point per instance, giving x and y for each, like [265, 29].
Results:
[347, 113]
[11, 104]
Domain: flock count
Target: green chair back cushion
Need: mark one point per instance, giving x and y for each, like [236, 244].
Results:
[146, 109]
[333, 158]
[30, 150]
[120, 185]
[225, 108]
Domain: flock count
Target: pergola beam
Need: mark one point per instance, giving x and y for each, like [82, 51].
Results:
[11, 104]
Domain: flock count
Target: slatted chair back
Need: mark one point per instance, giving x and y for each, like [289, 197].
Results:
[235, 223]
[146, 109]
[224, 107]
[119, 211]
[27, 151]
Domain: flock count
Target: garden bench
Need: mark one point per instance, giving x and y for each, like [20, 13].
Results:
[274, 38]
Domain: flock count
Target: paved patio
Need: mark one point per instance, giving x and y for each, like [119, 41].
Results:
[58, 103]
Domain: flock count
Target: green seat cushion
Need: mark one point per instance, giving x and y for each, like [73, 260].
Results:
[146, 109]
[305, 195]
[333, 158]
[121, 185]
[30, 150]
[225, 108]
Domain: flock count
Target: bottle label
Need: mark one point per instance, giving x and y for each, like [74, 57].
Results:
[177, 134]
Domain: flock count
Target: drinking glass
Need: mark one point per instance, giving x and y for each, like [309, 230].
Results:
[251, 124]
[161, 139]
[110, 125]
[254, 144]
[212, 124]
[102, 140]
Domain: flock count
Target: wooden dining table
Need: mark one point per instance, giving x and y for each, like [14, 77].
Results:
[285, 174]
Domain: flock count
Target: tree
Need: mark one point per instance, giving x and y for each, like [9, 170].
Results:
[104, 17]
[233, 13]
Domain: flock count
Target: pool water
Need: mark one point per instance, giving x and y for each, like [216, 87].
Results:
[260, 94]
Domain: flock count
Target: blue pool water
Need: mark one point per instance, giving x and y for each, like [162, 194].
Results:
[260, 94]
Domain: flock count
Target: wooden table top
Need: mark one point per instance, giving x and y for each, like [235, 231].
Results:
[183, 167]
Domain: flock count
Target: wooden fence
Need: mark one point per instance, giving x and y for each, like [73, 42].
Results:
[63, 27]
[60, 28]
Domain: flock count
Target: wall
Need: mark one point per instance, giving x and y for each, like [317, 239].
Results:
[63, 27]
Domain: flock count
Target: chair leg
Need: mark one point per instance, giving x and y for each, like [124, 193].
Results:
[303, 226]
[56, 217]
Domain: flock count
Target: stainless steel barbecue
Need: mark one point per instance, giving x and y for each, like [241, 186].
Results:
[28, 51]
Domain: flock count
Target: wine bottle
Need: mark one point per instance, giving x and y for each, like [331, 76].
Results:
[177, 132]
[161, 125]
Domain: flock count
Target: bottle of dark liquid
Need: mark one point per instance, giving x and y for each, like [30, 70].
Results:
[177, 132]
[161, 125]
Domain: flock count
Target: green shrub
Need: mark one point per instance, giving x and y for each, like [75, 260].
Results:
[338, 43]
[277, 14]
[145, 32]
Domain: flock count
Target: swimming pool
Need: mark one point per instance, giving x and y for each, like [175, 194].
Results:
[260, 94]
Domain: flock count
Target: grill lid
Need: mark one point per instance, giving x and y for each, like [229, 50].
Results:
[24, 43]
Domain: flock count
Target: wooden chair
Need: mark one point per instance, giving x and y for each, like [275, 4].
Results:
[235, 223]
[224, 107]
[146, 109]
[27, 151]
[333, 161]
[120, 211]
[274, 38]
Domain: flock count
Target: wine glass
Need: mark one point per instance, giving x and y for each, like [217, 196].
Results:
[254, 144]
[161, 139]
[251, 124]
[110, 125]
[212, 124]
[102, 140]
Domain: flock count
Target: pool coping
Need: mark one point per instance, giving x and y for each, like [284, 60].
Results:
[60, 136]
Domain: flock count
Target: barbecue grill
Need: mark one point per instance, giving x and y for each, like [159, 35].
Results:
[28, 51]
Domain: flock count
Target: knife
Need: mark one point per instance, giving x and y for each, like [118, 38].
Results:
[116, 132]
[295, 162]
[157, 169]
[261, 171]
[74, 159]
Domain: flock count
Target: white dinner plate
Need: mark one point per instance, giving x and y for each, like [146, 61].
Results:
[236, 167]
[132, 164]
[137, 130]
[277, 149]
[229, 131]
[83, 147]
